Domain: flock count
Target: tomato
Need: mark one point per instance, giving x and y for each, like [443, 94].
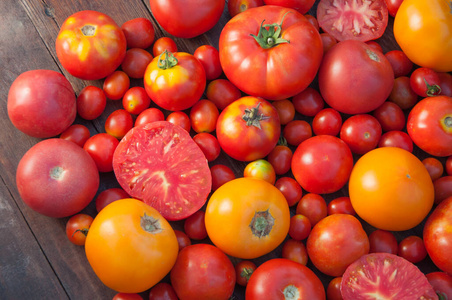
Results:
[118, 123]
[442, 284]
[412, 249]
[375, 46]
[313, 206]
[248, 128]
[449, 165]
[76, 133]
[383, 241]
[56, 178]
[251, 54]
[101, 147]
[90, 45]
[297, 131]
[280, 158]
[302, 6]
[393, 6]
[77, 228]
[222, 92]
[237, 6]
[425, 82]
[322, 164]
[352, 19]
[136, 100]
[257, 215]
[400, 63]
[422, 27]
[108, 196]
[149, 115]
[202, 271]
[388, 276]
[443, 188]
[243, 271]
[127, 236]
[340, 232]
[295, 251]
[328, 121]
[391, 189]
[220, 175]
[312, 20]
[91, 102]
[390, 116]
[203, 116]
[367, 89]
[396, 138]
[175, 81]
[139, 33]
[116, 85]
[182, 239]
[286, 110]
[429, 125]
[162, 291]
[308, 102]
[127, 296]
[135, 62]
[162, 44]
[328, 41]
[260, 169]
[434, 167]
[445, 83]
[333, 290]
[210, 59]
[279, 278]
[340, 205]
[402, 94]
[290, 188]
[161, 164]
[361, 133]
[41, 103]
[195, 227]
[179, 118]
[209, 145]
[300, 227]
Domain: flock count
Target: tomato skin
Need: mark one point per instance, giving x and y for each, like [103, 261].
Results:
[328, 41]
[412, 249]
[162, 44]
[445, 83]
[116, 85]
[286, 110]
[136, 100]
[182, 239]
[179, 118]
[91, 102]
[220, 175]
[402, 94]
[108, 196]
[244, 269]
[390, 116]
[313, 206]
[280, 158]
[434, 167]
[449, 165]
[327, 121]
[101, 147]
[443, 188]
[77, 45]
[425, 82]
[414, 25]
[195, 227]
[76, 133]
[396, 138]
[361, 133]
[290, 188]
[237, 6]
[135, 62]
[139, 33]
[297, 131]
[127, 296]
[442, 283]
[203, 116]
[260, 169]
[400, 63]
[294, 250]
[210, 60]
[260, 72]
[118, 123]
[162, 291]
[393, 6]
[308, 102]
[222, 92]
[302, 6]
[333, 290]
[208, 144]
[383, 241]
[300, 227]
[77, 228]
[340, 205]
[149, 115]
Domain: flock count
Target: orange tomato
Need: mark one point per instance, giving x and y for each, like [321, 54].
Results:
[423, 30]
[130, 246]
[260, 169]
[247, 218]
[391, 189]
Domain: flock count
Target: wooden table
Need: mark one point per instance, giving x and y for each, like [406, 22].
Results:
[37, 261]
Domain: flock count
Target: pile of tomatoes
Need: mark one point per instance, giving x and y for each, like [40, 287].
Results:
[320, 122]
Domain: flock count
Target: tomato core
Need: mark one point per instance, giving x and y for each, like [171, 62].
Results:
[262, 223]
[88, 30]
[56, 173]
[446, 123]
[150, 224]
[291, 292]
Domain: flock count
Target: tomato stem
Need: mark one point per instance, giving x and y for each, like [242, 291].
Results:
[269, 35]
[150, 224]
[246, 273]
[84, 231]
[262, 223]
[168, 62]
[432, 90]
[252, 116]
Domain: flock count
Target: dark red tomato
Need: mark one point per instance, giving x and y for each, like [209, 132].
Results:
[135, 62]
[333, 290]
[449, 165]
[322, 164]
[243, 271]
[437, 237]
[290, 188]
[182, 239]
[344, 234]
[220, 175]
[401, 64]
[237, 6]
[202, 271]
[118, 123]
[279, 276]
[41, 103]
[429, 125]
[116, 85]
[367, 89]
[127, 296]
[361, 133]
[340, 205]
[108, 196]
[443, 188]
[280, 158]
[425, 82]
[101, 147]
[222, 92]
[309, 102]
[295, 250]
[162, 291]
[162, 44]
[300, 227]
[402, 94]
[328, 121]
[390, 116]
[203, 116]
[91, 102]
[181, 119]
[434, 167]
[297, 131]
[412, 249]
[248, 129]
[383, 241]
[136, 100]
[442, 284]
[175, 181]
[253, 63]
[139, 33]
[353, 20]
[312, 20]
[77, 228]
[90, 45]
[302, 6]
[387, 275]
[210, 60]
[312, 206]
[195, 227]
[375, 46]
[56, 178]
[396, 138]
[393, 6]
[328, 41]
[208, 144]
[445, 83]
[286, 110]
[149, 115]
[76, 133]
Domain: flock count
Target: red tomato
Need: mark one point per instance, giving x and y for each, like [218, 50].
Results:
[162, 291]
[341, 205]
[425, 82]
[248, 128]
[443, 188]
[375, 46]
[445, 83]
[401, 64]
[312, 19]
[297, 131]
[393, 6]
[442, 284]
[108, 196]
[294, 250]
[127, 296]
[309, 102]
[210, 60]
[194, 226]
[396, 138]
[333, 290]
[208, 144]
[220, 175]
[91, 102]
[300, 227]
[361, 133]
[280, 158]
[328, 41]
[182, 239]
[390, 116]
[175, 181]
[162, 44]
[449, 165]
[119, 123]
[203, 271]
[302, 6]
[136, 100]
[90, 45]
[149, 115]
[412, 249]
[327, 121]
[203, 116]
[286, 110]
[402, 94]
[179, 118]
[313, 206]
[387, 275]
[434, 167]
[57, 178]
[237, 6]
[187, 20]
[101, 147]
[222, 92]
[135, 62]
[139, 33]
[41, 103]
[290, 188]
[353, 20]
[383, 241]
[76, 133]
[363, 92]
[77, 228]
[254, 64]
[116, 85]
[243, 271]
[279, 276]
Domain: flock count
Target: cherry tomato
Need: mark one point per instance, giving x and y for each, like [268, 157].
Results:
[162, 291]
[301, 6]
[401, 65]
[402, 94]
[328, 41]
[210, 60]
[390, 116]
[280, 158]
[260, 169]
[412, 249]
[297, 131]
[116, 85]
[393, 6]
[286, 110]
[449, 165]
[182, 239]
[180, 118]
[91, 102]
[76, 133]
[313, 206]
[434, 167]
[290, 188]
[328, 121]
[445, 83]
[300, 227]
[383, 241]
[195, 227]
[425, 82]
[243, 270]
[333, 290]
[295, 250]
[77, 228]
[127, 296]
[208, 144]
[149, 115]
[311, 19]
[443, 188]
[237, 6]
[220, 175]
[375, 46]
[162, 44]
[101, 147]
[361, 133]
[222, 92]
[309, 102]
[340, 205]
[139, 33]
[442, 284]
[396, 138]
[108, 196]
[118, 123]
[136, 100]
[203, 116]
[135, 62]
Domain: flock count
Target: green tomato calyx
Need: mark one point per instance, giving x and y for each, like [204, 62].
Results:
[269, 35]
[432, 89]
[252, 117]
[167, 60]
[262, 223]
[150, 224]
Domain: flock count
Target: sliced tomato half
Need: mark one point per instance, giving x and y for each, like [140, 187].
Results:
[362, 20]
[160, 164]
[385, 276]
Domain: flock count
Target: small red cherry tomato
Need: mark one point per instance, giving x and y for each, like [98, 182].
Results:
[180, 118]
[91, 102]
[162, 44]
[118, 123]
[108, 196]
[195, 227]
[313, 206]
[116, 84]
[76, 133]
[209, 145]
[149, 115]
[210, 60]
[136, 100]
[290, 188]
[203, 116]
[220, 175]
[77, 228]
[244, 269]
[135, 62]
[139, 33]
[425, 82]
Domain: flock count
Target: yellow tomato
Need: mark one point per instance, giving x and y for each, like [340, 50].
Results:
[423, 30]
[247, 218]
[130, 246]
[260, 169]
[391, 189]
